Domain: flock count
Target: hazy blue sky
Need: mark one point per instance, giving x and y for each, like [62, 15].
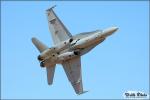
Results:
[119, 64]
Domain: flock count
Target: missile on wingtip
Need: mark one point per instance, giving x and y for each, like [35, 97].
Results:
[109, 31]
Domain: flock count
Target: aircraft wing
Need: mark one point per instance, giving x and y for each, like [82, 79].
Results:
[58, 31]
[50, 69]
[73, 71]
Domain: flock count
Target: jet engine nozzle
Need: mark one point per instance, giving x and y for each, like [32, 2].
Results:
[47, 63]
[44, 55]
[40, 58]
[42, 64]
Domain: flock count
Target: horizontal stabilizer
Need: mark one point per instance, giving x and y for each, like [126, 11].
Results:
[39, 45]
[50, 74]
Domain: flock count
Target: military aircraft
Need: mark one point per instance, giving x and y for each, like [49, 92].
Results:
[67, 49]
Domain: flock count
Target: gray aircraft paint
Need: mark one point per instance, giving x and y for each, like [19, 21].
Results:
[68, 49]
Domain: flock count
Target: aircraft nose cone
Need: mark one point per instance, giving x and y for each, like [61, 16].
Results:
[109, 31]
[114, 29]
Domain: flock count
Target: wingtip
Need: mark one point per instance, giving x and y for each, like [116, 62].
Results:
[50, 83]
[33, 39]
[82, 92]
[51, 8]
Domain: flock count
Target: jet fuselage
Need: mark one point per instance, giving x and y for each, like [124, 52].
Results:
[73, 47]
[67, 49]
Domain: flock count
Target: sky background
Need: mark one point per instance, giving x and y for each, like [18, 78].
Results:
[119, 64]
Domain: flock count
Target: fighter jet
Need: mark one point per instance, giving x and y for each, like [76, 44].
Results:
[67, 49]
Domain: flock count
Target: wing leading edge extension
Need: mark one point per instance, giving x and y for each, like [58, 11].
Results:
[73, 71]
[58, 31]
